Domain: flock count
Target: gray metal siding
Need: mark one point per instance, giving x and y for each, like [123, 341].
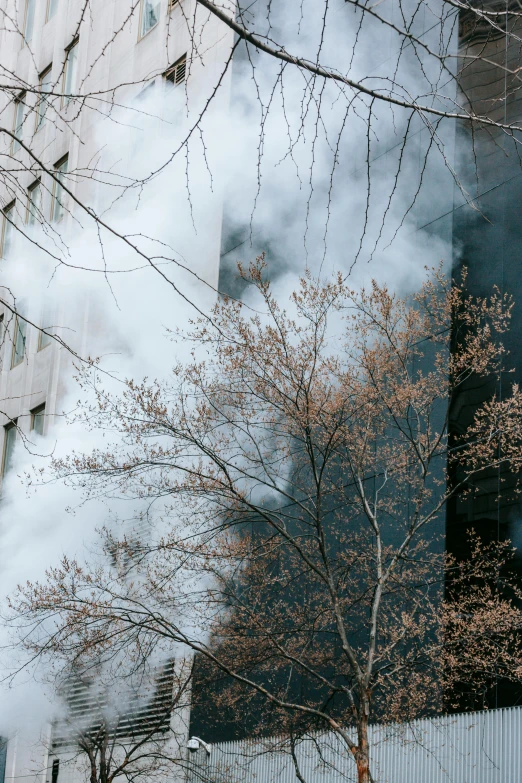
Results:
[481, 747]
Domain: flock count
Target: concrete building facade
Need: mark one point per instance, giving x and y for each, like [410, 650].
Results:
[133, 59]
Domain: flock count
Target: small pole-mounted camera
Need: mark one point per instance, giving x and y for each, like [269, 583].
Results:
[195, 743]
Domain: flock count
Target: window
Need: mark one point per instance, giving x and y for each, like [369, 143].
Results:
[44, 83]
[52, 6]
[38, 419]
[19, 341]
[9, 445]
[55, 771]
[149, 16]
[30, 7]
[3, 758]
[2, 336]
[176, 74]
[58, 192]
[19, 117]
[34, 203]
[69, 76]
[7, 229]
[45, 339]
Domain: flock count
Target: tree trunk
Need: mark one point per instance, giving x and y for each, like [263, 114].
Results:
[363, 770]
[362, 755]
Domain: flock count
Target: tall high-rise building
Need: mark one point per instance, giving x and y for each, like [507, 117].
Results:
[486, 242]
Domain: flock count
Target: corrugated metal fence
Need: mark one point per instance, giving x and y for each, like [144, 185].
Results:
[481, 747]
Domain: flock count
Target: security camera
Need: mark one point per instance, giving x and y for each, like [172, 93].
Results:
[195, 743]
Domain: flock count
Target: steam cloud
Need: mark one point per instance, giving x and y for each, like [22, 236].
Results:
[281, 206]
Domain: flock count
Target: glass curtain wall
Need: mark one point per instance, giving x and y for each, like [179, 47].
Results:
[488, 244]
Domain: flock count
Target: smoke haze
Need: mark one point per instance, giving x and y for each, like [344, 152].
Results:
[303, 201]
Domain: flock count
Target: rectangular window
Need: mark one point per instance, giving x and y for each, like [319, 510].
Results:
[58, 192]
[71, 66]
[9, 445]
[34, 203]
[177, 73]
[2, 336]
[20, 330]
[19, 116]
[52, 6]
[7, 228]
[30, 8]
[44, 84]
[149, 16]
[38, 419]
[45, 339]
[55, 771]
[3, 758]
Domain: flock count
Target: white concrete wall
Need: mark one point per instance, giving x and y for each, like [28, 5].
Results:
[127, 60]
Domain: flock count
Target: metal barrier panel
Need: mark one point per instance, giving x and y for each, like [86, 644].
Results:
[479, 747]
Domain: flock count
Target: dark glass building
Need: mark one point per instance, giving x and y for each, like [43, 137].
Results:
[487, 241]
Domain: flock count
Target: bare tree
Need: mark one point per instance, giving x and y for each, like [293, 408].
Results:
[120, 714]
[297, 469]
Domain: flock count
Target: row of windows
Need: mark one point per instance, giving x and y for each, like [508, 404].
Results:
[149, 15]
[34, 209]
[44, 86]
[34, 202]
[174, 75]
[30, 12]
[37, 414]
[11, 433]
[149, 18]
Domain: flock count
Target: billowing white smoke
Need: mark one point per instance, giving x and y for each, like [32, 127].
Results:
[318, 201]
[122, 318]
